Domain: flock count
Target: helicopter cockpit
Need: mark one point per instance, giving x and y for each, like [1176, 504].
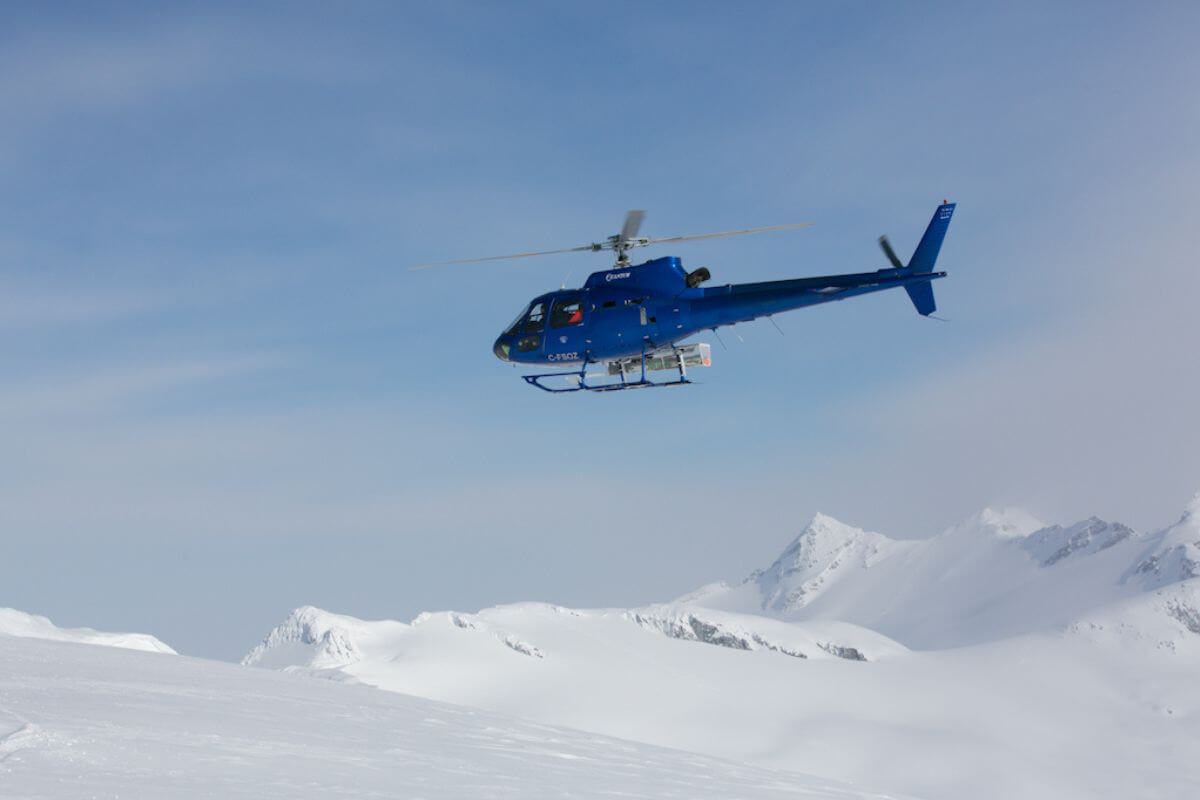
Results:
[525, 333]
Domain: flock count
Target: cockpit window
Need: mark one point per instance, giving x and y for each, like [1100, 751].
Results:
[567, 311]
[531, 320]
[516, 323]
[536, 319]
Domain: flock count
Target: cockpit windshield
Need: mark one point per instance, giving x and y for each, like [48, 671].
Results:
[512, 328]
[531, 320]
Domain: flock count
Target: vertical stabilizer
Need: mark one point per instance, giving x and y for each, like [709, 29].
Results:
[924, 258]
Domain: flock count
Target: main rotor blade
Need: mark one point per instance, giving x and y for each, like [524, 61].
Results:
[693, 237]
[633, 223]
[890, 253]
[502, 258]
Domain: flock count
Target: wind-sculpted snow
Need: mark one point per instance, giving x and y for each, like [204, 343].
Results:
[524, 648]
[850, 653]
[81, 722]
[19, 623]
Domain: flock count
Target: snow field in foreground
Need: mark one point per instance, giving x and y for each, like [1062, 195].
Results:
[86, 721]
[1050, 715]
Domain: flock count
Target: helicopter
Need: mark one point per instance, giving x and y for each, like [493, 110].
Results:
[630, 320]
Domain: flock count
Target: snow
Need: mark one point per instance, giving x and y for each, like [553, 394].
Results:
[1044, 665]
[998, 573]
[318, 639]
[1173, 554]
[1166, 619]
[742, 632]
[84, 721]
[1045, 715]
[827, 552]
[1001, 658]
[1004, 523]
[1053, 544]
[19, 623]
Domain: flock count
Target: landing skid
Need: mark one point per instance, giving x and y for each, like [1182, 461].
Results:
[677, 356]
[582, 385]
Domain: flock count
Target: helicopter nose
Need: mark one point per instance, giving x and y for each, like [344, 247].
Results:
[500, 348]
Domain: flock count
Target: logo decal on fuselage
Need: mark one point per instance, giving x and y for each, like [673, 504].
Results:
[616, 276]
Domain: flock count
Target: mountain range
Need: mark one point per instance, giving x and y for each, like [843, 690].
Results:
[1001, 658]
[1004, 657]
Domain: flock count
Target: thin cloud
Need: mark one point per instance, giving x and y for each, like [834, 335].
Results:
[95, 391]
[23, 309]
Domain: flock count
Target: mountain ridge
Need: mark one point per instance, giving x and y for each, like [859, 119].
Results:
[33, 626]
[999, 572]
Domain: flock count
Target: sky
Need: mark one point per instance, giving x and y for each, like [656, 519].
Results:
[224, 393]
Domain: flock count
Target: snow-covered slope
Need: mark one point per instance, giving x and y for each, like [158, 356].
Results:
[999, 573]
[80, 721]
[1166, 619]
[19, 623]
[1052, 661]
[316, 639]
[1046, 715]
[1172, 555]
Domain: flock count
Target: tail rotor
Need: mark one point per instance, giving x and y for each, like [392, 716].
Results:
[889, 252]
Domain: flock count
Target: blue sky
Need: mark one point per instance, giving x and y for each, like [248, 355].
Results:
[225, 394]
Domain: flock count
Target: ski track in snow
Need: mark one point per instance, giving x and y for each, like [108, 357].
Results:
[16, 733]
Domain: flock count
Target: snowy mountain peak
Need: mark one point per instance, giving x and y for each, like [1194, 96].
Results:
[1174, 554]
[824, 522]
[1003, 523]
[824, 534]
[324, 639]
[1191, 512]
[824, 552]
[1000, 572]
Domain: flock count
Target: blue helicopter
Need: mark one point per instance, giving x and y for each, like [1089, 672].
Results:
[630, 320]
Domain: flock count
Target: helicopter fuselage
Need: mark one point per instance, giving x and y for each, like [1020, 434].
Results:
[627, 311]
